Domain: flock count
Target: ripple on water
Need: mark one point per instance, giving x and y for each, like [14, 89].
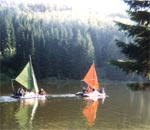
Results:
[7, 99]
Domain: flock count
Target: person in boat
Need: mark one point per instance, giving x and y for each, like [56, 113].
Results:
[42, 92]
[29, 93]
[102, 90]
[20, 92]
[89, 89]
[83, 90]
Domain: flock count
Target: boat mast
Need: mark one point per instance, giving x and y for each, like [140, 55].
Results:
[12, 85]
[30, 59]
[33, 76]
[93, 78]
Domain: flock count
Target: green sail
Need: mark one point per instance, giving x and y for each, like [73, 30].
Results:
[27, 78]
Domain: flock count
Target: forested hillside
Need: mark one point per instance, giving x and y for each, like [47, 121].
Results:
[62, 42]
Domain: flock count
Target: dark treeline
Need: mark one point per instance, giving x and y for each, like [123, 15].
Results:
[60, 45]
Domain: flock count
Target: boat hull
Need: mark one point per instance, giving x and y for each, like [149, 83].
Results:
[94, 94]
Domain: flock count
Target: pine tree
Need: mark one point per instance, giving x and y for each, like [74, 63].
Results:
[137, 50]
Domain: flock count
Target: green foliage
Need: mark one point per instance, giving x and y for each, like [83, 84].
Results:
[137, 49]
[54, 52]
[61, 46]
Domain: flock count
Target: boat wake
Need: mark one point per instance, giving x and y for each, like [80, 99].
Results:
[61, 95]
[7, 99]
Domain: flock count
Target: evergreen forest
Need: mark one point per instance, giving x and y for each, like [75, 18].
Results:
[137, 50]
[62, 43]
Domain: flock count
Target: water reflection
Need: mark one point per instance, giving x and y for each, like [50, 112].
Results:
[140, 105]
[124, 109]
[90, 110]
[26, 112]
[139, 86]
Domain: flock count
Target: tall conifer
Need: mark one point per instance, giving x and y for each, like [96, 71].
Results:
[137, 50]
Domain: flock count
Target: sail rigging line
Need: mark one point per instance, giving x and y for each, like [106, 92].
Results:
[12, 85]
[93, 76]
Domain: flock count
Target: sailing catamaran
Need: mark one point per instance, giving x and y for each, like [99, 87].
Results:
[28, 80]
[93, 89]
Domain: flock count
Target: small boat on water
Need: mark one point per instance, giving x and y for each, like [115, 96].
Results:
[28, 80]
[93, 90]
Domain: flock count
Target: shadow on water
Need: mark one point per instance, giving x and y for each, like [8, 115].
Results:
[139, 86]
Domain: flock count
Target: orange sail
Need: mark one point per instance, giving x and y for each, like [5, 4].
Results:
[91, 78]
[89, 112]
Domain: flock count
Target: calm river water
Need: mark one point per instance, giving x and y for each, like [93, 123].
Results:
[62, 110]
